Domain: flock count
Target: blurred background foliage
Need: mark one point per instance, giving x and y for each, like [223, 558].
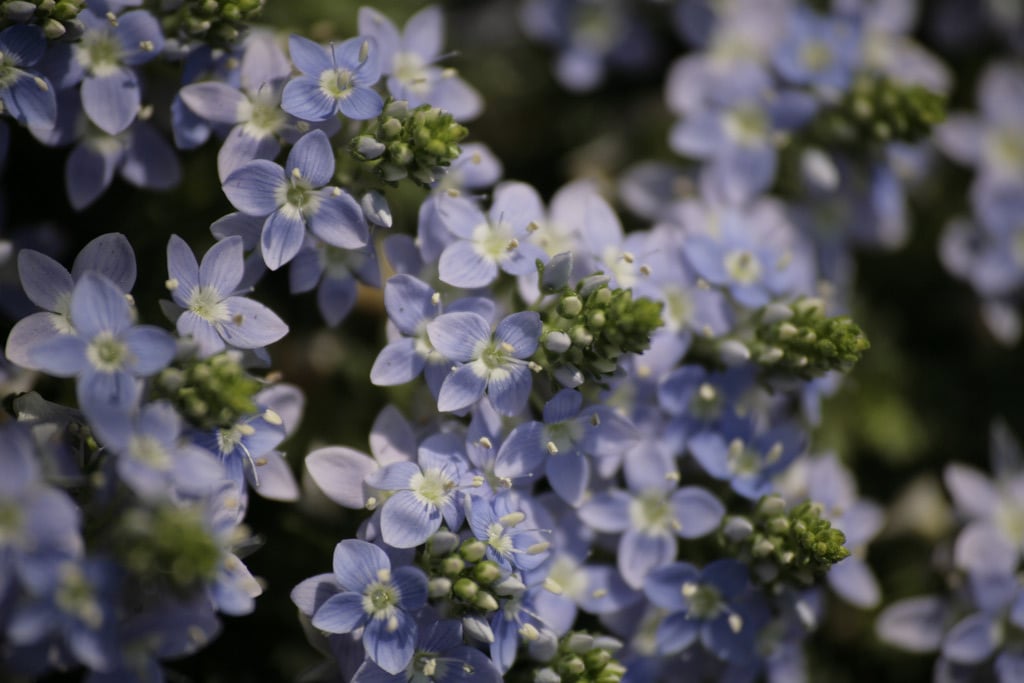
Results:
[922, 397]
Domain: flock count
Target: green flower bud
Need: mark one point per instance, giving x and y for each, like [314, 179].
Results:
[473, 550]
[465, 588]
[487, 572]
[486, 602]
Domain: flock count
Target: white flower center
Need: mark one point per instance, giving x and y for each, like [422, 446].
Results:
[107, 353]
[206, 302]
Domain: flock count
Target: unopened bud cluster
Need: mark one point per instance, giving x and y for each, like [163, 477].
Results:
[210, 392]
[461, 581]
[589, 326]
[418, 144]
[878, 109]
[799, 339]
[581, 658]
[796, 546]
[218, 23]
[58, 18]
[168, 543]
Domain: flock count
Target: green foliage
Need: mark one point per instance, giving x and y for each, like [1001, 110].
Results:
[58, 18]
[210, 392]
[418, 144]
[218, 23]
[795, 546]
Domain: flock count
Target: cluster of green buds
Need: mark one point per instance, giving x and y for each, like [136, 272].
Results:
[418, 143]
[462, 583]
[583, 658]
[210, 392]
[58, 18]
[218, 23]
[879, 109]
[588, 327]
[168, 543]
[799, 339]
[795, 546]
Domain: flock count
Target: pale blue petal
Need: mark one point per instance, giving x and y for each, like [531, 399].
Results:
[569, 476]
[215, 101]
[149, 161]
[607, 511]
[639, 554]
[663, 586]
[252, 325]
[676, 633]
[395, 477]
[61, 356]
[521, 331]
[239, 148]
[508, 387]
[409, 303]
[223, 266]
[339, 220]
[309, 57]
[282, 237]
[44, 280]
[339, 472]
[336, 298]
[252, 189]
[341, 613]
[304, 98]
[313, 592]
[153, 349]
[517, 204]
[463, 387]
[855, 583]
[111, 101]
[111, 255]
[97, 305]
[698, 511]
[406, 521]
[313, 157]
[357, 563]
[376, 25]
[397, 363]
[391, 650]
[915, 624]
[973, 639]
[462, 265]
[459, 336]
[88, 172]
[412, 586]
[29, 333]
[361, 104]
[522, 452]
[182, 267]
[135, 29]
[202, 332]
[276, 479]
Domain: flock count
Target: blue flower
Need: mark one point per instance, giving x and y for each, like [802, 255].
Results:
[378, 599]
[422, 494]
[338, 80]
[411, 305]
[295, 198]
[410, 60]
[25, 94]
[106, 351]
[497, 522]
[820, 51]
[49, 285]
[441, 657]
[336, 271]
[214, 317]
[701, 604]
[104, 60]
[495, 365]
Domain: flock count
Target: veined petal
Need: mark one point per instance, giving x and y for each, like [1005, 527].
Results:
[459, 336]
[313, 158]
[395, 477]
[61, 356]
[397, 363]
[463, 387]
[282, 237]
[361, 104]
[663, 586]
[112, 101]
[517, 204]
[406, 521]
[391, 648]
[698, 511]
[462, 265]
[110, 255]
[303, 98]
[45, 281]
[676, 633]
[339, 220]
[152, 348]
[376, 25]
[309, 57]
[409, 302]
[251, 325]
[239, 148]
[216, 102]
[28, 333]
[97, 305]
[202, 332]
[136, 29]
[357, 563]
[339, 472]
[182, 268]
[522, 452]
[341, 613]
[252, 189]
[412, 586]
[508, 387]
[521, 331]
[223, 266]
[31, 103]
